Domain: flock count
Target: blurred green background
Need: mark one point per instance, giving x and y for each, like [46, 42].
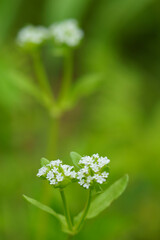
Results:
[121, 119]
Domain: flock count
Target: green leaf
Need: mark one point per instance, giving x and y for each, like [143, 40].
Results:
[98, 188]
[75, 158]
[105, 199]
[49, 210]
[85, 86]
[44, 161]
[24, 84]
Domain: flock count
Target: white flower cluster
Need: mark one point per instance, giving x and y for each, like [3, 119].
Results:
[31, 34]
[93, 170]
[57, 174]
[67, 32]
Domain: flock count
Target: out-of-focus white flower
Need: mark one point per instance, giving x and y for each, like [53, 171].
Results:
[32, 35]
[93, 170]
[58, 174]
[67, 32]
[42, 171]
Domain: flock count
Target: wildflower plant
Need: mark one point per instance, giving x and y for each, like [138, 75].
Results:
[88, 171]
[67, 33]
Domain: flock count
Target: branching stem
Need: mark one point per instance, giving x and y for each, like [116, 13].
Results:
[84, 214]
[41, 74]
[66, 209]
[67, 78]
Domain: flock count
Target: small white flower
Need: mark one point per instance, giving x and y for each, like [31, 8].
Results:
[66, 32]
[32, 34]
[50, 175]
[55, 170]
[105, 174]
[100, 179]
[86, 185]
[81, 182]
[73, 174]
[95, 167]
[54, 163]
[80, 174]
[95, 155]
[42, 171]
[89, 179]
[53, 182]
[103, 161]
[85, 169]
[59, 177]
[87, 160]
[67, 170]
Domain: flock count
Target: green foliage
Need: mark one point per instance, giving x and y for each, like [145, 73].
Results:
[49, 210]
[99, 204]
[122, 119]
[44, 161]
[85, 86]
[75, 158]
[104, 200]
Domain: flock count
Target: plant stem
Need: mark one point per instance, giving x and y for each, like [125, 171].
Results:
[84, 214]
[69, 237]
[67, 78]
[66, 209]
[52, 138]
[41, 74]
[42, 225]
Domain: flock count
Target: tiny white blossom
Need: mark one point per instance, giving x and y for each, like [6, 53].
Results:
[87, 160]
[105, 174]
[85, 169]
[54, 163]
[95, 167]
[32, 34]
[80, 174]
[89, 179]
[59, 177]
[81, 182]
[73, 174]
[66, 32]
[50, 175]
[53, 182]
[95, 155]
[103, 161]
[42, 171]
[55, 170]
[86, 185]
[99, 178]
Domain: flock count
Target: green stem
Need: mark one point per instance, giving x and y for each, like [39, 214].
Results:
[66, 209]
[53, 138]
[67, 78]
[42, 219]
[41, 74]
[69, 237]
[84, 214]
